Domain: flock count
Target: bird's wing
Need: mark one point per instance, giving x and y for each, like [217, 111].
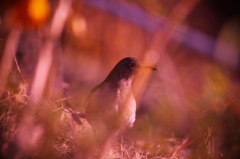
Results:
[93, 90]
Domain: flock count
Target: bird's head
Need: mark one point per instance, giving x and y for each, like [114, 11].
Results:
[127, 68]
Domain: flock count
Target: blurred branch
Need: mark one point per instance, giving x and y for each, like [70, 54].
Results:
[30, 133]
[8, 56]
[168, 73]
[162, 38]
[46, 52]
[158, 55]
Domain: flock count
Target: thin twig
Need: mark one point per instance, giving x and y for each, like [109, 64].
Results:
[18, 68]
[13, 97]
[60, 100]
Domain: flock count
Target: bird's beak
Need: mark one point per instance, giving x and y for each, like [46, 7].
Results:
[147, 68]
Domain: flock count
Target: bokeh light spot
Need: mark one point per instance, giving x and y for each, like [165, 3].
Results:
[38, 10]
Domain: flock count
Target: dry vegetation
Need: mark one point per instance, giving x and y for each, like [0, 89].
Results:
[187, 109]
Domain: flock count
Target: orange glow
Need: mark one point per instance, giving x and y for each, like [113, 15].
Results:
[38, 10]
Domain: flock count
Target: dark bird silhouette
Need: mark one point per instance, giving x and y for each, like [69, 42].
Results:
[111, 106]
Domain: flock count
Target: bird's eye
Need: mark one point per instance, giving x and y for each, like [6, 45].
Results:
[132, 65]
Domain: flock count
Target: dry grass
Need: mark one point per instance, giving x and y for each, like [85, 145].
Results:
[62, 136]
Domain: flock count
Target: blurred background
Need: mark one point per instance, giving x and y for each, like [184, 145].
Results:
[52, 53]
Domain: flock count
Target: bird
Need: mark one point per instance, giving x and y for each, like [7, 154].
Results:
[111, 106]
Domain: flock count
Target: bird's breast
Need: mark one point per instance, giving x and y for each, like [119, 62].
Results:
[112, 106]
